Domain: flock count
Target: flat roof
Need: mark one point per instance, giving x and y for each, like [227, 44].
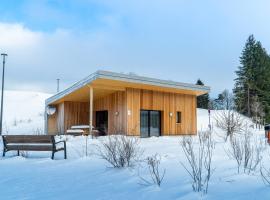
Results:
[131, 78]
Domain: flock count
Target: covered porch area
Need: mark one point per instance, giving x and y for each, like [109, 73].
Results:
[92, 108]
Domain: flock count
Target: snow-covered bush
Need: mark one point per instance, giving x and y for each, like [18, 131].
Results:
[156, 175]
[119, 150]
[229, 121]
[199, 161]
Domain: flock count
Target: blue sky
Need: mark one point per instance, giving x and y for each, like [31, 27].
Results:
[174, 39]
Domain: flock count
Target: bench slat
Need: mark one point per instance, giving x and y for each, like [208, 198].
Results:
[28, 139]
[30, 147]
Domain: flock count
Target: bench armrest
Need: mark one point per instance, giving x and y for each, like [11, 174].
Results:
[60, 142]
[60, 148]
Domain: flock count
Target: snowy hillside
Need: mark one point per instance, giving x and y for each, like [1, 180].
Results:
[81, 177]
[23, 112]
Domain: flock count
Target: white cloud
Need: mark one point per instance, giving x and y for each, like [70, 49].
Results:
[17, 36]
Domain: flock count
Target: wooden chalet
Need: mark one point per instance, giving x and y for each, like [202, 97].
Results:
[117, 103]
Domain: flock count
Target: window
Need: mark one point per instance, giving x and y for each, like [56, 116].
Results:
[178, 117]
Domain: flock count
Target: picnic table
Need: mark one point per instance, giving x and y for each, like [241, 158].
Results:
[78, 130]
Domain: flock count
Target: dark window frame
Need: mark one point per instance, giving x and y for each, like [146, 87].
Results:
[178, 117]
[105, 114]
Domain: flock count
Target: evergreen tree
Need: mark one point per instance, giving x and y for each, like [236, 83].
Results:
[203, 100]
[253, 78]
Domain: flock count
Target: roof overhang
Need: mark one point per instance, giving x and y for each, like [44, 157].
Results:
[119, 81]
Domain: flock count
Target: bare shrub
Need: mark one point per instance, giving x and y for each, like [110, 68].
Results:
[246, 151]
[156, 175]
[229, 121]
[199, 165]
[38, 131]
[15, 122]
[120, 151]
[252, 153]
[6, 129]
[255, 160]
[24, 154]
[237, 151]
[265, 175]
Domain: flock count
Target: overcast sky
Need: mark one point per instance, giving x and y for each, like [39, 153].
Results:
[180, 40]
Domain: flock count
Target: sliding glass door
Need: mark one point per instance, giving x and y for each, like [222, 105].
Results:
[144, 123]
[150, 123]
[154, 123]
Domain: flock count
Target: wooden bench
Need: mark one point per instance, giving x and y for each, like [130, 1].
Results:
[32, 143]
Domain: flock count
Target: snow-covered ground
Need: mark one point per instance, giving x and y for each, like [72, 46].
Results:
[81, 177]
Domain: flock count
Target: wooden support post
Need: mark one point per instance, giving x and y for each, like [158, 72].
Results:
[90, 119]
[91, 110]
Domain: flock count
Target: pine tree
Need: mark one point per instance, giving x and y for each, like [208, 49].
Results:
[243, 82]
[253, 78]
[203, 100]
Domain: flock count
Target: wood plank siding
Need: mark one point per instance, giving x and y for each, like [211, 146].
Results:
[166, 103]
[133, 111]
[115, 104]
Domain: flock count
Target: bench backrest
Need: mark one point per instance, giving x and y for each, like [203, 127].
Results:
[43, 139]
